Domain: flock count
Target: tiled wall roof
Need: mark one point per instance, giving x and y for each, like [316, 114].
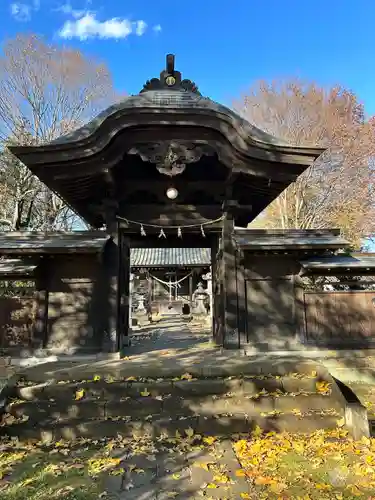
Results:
[158, 257]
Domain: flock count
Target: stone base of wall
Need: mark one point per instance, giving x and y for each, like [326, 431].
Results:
[347, 365]
[9, 365]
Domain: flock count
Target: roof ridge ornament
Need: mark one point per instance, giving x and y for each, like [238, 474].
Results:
[170, 79]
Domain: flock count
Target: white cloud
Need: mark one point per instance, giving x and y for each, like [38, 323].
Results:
[140, 28]
[157, 28]
[20, 11]
[68, 10]
[23, 11]
[88, 26]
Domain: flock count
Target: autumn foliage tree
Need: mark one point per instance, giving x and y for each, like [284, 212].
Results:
[45, 91]
[338, 190]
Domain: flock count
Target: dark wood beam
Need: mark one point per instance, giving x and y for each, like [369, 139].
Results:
[160, 185]
[188, 240]
[80, 170]
[171, 214]
[109, 182]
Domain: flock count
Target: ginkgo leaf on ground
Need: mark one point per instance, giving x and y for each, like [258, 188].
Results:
[240, 473]
[145, 392]
[264, 480]
[80, 393]
[323, 387]
[203, 465]
[209, 440]
[278, 487]
[189, 432]
[340, 422]
[221, 478]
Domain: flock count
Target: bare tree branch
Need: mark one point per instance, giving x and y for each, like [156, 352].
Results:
[45, 91]
[338, 190]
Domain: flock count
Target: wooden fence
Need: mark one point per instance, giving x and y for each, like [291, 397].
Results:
[340, 318]
[17, 315]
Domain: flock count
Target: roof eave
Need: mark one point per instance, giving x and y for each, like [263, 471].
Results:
[291, 247]
[358, 271]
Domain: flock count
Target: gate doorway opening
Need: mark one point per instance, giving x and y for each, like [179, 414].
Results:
[170, 298]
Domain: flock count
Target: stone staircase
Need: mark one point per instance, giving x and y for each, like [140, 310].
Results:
[103, 403]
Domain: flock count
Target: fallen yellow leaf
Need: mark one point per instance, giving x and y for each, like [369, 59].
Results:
[211, 486]
[278, 487]
[145, 392]
[202, 465]
[209, 440]
[130, 379]
[323, 486]
[186, 376]
[257, 432]
[263, 480]
[340, 422]
[240, 473]
[245, 495]
[221, 478]
[189, 432]
[80, 393]
[96, 378]
[366, 441]
[323, 387]
[354, 490]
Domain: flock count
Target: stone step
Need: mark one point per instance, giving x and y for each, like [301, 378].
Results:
[210, 363]
[139, 408]
[160, 470]
[162, 387]
[52, 430]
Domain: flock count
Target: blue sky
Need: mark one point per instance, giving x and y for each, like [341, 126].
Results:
[222, 46]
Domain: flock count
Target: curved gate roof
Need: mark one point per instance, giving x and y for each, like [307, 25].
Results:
[168, 108]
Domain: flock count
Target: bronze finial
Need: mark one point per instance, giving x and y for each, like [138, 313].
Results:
[170, 64]
[170, 79]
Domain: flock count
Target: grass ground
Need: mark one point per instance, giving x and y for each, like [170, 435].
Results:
[366, 394]
[322, 465]
[33, 471]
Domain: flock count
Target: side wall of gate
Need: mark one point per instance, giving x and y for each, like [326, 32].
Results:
[273, 301]
[17, 317]
[281, 314]
[340, 318]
